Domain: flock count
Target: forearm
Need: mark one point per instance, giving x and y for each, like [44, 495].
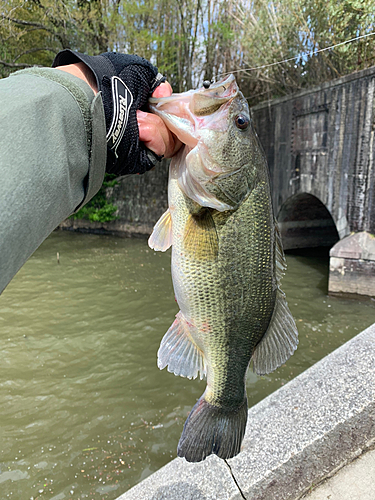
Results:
[52, 143]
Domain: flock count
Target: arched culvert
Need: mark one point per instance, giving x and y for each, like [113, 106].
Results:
[305, 222]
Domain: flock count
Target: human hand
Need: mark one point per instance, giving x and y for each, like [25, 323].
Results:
[152, 130]
[126, 82]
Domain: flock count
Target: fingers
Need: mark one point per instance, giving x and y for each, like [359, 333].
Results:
[152, 130]
[163, 90]
[155, 135]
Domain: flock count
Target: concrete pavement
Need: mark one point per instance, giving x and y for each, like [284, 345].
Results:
[356, 481]
[297, 437]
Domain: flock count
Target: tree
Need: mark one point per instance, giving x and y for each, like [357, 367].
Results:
[32, 32]
[193, 40]
[290, 31]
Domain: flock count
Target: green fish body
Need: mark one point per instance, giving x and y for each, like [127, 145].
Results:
[227, 262]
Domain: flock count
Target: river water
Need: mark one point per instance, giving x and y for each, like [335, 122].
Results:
[85, 412]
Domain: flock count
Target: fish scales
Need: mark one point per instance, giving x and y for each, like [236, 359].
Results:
[227, 263]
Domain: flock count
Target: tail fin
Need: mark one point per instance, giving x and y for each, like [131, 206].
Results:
[211, 429]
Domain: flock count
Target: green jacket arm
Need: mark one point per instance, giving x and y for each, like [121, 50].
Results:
[52, 158]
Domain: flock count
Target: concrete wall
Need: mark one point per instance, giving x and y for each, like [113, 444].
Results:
[320, 141]
[320, 149]
[295, 438]
[140, 200]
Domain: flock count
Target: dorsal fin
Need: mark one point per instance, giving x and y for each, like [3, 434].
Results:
[281, 338]
[280, 256]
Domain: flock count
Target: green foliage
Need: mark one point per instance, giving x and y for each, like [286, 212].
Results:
[193, 40]
[282, 29]
[99, 208]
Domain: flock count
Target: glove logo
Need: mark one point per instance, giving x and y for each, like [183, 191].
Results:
[122, 101]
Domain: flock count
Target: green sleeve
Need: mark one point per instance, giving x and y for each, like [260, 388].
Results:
[52, 158]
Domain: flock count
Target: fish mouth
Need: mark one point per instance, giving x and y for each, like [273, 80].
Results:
[191, 116]
[224, 88]
[207, 101]
[188, 112]
[186, 106]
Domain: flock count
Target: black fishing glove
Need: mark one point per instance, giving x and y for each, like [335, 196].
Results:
[126, 82]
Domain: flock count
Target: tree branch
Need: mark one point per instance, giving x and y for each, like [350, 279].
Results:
[26, 23]
[34, 50]
[16, 65]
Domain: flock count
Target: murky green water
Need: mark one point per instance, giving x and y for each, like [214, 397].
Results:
[84, 411]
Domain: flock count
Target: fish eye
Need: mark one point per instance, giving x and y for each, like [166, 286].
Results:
[242, 122]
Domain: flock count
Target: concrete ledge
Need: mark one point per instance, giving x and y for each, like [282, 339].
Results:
[354, 482]
[352, 266]
[113, 228]
[356, 246]
[296, 437]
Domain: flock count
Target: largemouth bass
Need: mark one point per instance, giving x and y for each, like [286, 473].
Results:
[227, 263]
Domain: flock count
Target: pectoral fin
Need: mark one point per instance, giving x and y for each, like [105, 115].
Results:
[161, 237]
[178, 351]
[200, 239]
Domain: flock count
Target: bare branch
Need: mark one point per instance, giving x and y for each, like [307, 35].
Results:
[16, 65]
[34, 50]
[237, 19]
[27, 23]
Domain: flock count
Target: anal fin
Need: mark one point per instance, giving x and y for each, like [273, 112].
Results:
[178, 351]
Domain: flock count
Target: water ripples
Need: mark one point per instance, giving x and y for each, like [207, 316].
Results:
[85, 413]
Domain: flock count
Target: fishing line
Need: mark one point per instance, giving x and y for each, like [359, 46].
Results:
[234, 479]
[311, 53]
